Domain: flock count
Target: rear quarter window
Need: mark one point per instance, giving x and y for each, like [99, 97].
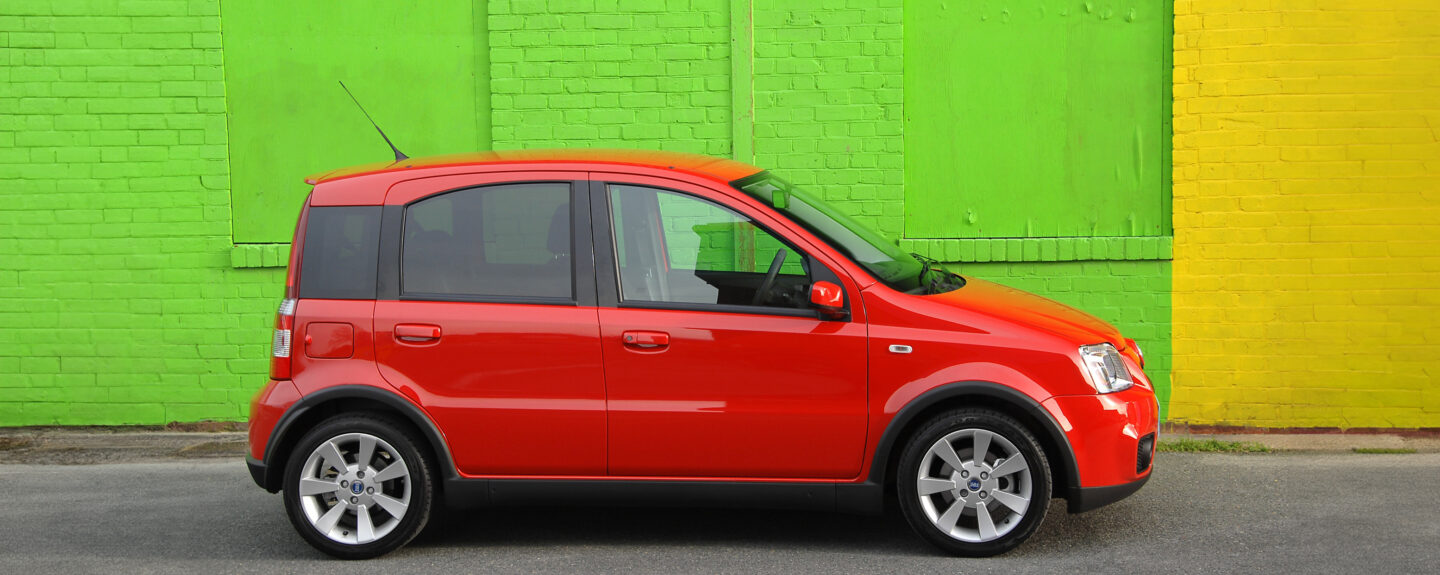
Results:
[341, 247]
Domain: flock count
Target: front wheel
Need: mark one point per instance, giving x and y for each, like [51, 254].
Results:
[974, 482]
[359, 486]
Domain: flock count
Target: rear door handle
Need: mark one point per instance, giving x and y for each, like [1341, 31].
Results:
[645, 339]
[417, 332]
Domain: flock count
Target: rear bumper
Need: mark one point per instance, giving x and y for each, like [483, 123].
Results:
[266, 409]
[257, 470]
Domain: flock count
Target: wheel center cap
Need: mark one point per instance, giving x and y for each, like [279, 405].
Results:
[357, 487]
[974, 484]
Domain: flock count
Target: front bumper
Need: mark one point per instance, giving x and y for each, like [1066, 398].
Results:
[1113, 437]
[1088, 498]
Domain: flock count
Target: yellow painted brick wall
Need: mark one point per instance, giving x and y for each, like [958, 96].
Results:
[1307, 213]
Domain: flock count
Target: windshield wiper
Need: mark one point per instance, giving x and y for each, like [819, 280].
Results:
[929, 264]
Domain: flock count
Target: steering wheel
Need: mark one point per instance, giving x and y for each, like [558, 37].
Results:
[763, 294]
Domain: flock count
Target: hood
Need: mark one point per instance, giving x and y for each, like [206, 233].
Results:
[1025, 308]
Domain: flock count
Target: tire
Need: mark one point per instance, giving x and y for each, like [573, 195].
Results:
[395, 487]
[958, 489]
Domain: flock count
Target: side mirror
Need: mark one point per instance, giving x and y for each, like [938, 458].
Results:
[828, 299]
[779, 199]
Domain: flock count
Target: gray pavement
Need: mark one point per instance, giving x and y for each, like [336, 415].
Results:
[88, 445]
[1202, 513]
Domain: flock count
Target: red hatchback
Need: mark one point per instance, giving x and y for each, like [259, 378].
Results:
[570, 327]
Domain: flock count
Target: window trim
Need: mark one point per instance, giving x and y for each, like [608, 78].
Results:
[606, 258]
[721, 308]
[582, 269]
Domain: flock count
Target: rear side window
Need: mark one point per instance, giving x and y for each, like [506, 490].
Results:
[341, 246]
[506, 241]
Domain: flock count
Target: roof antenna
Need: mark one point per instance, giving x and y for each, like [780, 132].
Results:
[398, 154]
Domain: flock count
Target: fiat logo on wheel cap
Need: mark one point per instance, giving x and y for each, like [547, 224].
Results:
[974, 484]
[357, 487]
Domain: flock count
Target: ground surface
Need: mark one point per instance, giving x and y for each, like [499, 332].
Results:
[1202, 513]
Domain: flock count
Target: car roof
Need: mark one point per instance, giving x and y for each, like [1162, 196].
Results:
[720, 169]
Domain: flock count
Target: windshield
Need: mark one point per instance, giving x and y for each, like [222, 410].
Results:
[874, 252]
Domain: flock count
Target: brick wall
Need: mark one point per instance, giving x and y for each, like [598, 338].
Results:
[638, 74]
[1307, 255]
[658, 75]
[828, 102]
[116, 298]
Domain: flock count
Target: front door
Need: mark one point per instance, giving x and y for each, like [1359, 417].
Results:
[715, 367]
[491, 324]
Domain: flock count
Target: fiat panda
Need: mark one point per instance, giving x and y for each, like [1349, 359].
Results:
[635, 328]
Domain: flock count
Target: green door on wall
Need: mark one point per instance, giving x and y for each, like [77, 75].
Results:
[1035, 119]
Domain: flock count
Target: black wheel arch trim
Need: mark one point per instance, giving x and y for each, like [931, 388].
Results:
[886, 448]
[268, 473]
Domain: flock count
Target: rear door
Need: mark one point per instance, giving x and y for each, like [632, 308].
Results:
[487, 316]
[712, 371]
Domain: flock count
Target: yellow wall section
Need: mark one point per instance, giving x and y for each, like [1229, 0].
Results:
[1307, 213]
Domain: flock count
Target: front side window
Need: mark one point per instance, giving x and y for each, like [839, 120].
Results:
[676, 248]
[496, 241]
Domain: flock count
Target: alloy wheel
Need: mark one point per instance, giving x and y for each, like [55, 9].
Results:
[974, 485]
[354, 488]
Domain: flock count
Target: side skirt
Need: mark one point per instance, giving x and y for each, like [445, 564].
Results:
[861, 498]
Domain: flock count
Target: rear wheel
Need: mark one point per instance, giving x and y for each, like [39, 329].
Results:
[359, 486]
[974, 482]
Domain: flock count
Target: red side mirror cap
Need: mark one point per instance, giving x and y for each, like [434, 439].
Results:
[827, 296]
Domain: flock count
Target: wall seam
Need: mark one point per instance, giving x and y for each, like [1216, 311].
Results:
[742, 80]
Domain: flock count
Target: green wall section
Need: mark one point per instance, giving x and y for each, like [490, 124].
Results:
[1134, 296]
[118, 304]
[410, 62]
[140, 141]
[1035, 119]
[646, 75]
[828, 102]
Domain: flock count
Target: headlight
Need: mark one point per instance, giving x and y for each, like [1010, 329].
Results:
[1105, 368]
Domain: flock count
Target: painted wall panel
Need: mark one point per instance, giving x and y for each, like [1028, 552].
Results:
[1307, 248]
[1034, 119]
[411, 63]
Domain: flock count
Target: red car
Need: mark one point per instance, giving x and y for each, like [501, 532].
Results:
[576, 327]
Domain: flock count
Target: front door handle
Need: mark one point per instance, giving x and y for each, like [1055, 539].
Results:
[645, 339]
[417, 332]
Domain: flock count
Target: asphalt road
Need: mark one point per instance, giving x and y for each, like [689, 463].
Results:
[1202, 513]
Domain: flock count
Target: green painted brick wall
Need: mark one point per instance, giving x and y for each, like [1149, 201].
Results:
[652, 75]
[658, 75]
[118, 302]
[122, 296]
[828, 102]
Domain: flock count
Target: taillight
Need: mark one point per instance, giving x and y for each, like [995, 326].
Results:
[280, 347]
[284, 334]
